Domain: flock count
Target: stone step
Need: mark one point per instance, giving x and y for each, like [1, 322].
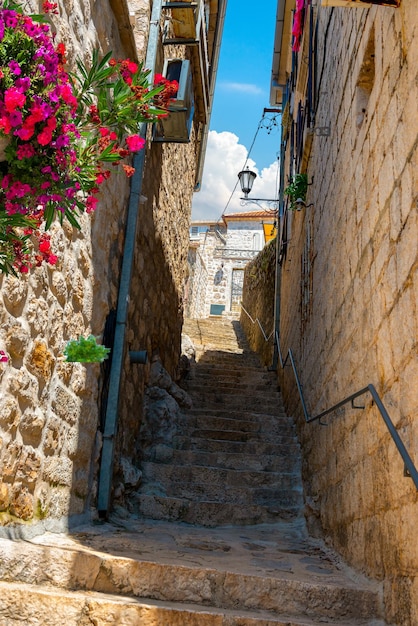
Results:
[236, 436]
[281, 445]
[212, 514]
[48, 607]
[227, 460]
[267, 497]
[225, 482]
[236, 403]
[249, 385]
[234, 395]
[242, 369]
[269, 425]
[239, 414]
[307, 585]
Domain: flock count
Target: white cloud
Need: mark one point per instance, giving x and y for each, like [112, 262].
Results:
[247, 88]
[225, 157]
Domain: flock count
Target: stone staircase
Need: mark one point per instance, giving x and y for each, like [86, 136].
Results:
[216, 534]
[235, 457]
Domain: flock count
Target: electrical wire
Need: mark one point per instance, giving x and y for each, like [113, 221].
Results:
[262, 124]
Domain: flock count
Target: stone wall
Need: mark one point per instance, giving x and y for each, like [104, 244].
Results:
[258, 301]
[350, 313]
[49, 409]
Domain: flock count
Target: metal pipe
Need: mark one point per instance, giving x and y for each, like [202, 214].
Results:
[111, 417]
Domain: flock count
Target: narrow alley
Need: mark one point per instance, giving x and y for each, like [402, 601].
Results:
[216, 535]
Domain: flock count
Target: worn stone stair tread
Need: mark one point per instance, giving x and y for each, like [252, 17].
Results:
[273, 567]
[238, 413]
[226, 460]
[229, 435]
[239, 447]
[225, 477]
[210, 513]
[268, 427]
[78, 608]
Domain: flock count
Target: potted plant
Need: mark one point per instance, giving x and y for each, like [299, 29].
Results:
[60, 131]
[297, 190]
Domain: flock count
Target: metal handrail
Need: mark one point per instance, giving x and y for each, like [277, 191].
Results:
[410, 469]
[257, 321]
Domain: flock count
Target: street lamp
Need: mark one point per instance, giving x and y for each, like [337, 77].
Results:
[246, 179]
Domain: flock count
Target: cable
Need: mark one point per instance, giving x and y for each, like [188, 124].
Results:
[260, 125]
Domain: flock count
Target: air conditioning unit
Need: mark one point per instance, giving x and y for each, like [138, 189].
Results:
[177, 125]
[361, 4]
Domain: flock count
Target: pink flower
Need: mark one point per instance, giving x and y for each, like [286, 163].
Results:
[135, 143]
[91, 203]
[45, 137]
[13, 98]
[25, 151]
[3, 357]
[15, 68]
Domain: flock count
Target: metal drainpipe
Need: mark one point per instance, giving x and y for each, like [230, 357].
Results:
[111, 417]
[277, 286]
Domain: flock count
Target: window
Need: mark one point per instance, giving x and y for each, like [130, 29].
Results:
[257, 241]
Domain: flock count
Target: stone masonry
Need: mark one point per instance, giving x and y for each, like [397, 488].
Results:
[50, 436]
[350, 293]
[230, 466]
[258, 301]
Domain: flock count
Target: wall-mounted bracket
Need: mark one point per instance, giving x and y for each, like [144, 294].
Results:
[322, 131]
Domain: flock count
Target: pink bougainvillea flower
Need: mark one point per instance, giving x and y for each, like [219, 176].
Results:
[135, 143]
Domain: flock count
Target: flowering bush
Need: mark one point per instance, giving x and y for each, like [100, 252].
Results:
[61, 131]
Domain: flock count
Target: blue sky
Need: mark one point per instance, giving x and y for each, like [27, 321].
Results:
[242, 92]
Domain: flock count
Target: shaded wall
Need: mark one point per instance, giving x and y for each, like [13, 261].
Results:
[258, 300]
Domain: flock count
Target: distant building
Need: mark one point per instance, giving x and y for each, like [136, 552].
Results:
[218, 254]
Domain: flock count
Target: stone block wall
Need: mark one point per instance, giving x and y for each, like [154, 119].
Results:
[258, 300]
[358, 323]
[49, 408]
[50, 438]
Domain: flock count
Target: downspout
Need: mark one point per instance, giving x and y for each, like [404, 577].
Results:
[115, 377]
[279, 235]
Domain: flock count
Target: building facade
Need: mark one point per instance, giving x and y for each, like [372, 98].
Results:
[345, 74]
[218, 255]
[66, 427]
